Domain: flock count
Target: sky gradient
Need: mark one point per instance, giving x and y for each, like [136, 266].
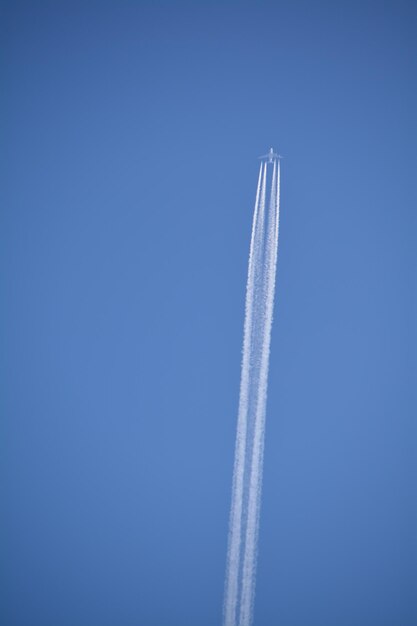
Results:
[129, 140]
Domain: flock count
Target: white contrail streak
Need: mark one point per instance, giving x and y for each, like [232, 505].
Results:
[256, 461]
[233, 561]
[247, 475]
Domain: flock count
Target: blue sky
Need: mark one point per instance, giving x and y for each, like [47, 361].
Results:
[130, 132]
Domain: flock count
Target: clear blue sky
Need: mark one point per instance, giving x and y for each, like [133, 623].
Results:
[129, 137]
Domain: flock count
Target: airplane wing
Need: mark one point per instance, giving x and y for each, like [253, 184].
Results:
[271, 156]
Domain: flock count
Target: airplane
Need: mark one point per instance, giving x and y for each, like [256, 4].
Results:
[271, 156]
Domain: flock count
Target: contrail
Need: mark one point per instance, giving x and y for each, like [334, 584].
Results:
[247, 475]
[256, 461]
[240, 453]
[235, 530]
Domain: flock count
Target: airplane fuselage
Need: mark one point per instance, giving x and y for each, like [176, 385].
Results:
[271, 156]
